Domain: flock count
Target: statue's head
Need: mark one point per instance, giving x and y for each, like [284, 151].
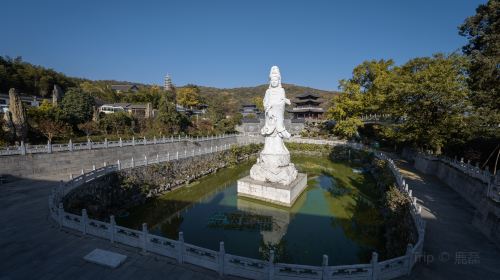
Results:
[274, 77]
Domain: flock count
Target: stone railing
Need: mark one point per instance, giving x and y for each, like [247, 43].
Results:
[474, 171]
[220, 261]
[24, 149]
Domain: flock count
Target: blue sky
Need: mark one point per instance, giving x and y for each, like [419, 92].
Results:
[227, 43]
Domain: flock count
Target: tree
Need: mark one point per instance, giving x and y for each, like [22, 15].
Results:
[431, 94]
[168, 118]
[117, 123]
[89, 128]
[348, 127]
[259, 102]
[77, 106]
[51, 129]
[188, 96]
[483, 50]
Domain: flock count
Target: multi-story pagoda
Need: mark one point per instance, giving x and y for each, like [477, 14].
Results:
[307, 107]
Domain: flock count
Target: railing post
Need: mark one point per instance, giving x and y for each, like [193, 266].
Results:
[112, 224]
[185, 153]
[177, 155]
[168, 156]
[120, 142]
[133, 141]
[222, 253]
[49, 147]
[409, 257]
[157, 158]
[23, 148]
[145, 160]
[325, 267]
[271, 265]
[104, 164]
[84, 221]
[144, 237]
[93, 167]
[70, 145]
[193, 152]
[154, 140]
[132, 163]
[60, 214]
[180, 249]
[89, 144]
[145, 141]
[71, 176]
[106, 143]
[119, 164]
[374, 263]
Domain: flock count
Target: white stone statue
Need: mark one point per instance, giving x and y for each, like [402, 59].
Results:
[273, 164]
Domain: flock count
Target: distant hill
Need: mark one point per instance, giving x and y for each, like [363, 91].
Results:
[244, 95]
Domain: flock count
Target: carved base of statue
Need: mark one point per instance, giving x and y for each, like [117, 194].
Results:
[273, 164]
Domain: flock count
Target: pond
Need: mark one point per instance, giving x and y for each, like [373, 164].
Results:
[337, 215]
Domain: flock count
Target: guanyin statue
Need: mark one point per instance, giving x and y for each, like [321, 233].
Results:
[273, 164]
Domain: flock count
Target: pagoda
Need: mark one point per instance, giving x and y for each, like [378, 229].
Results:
[307, 107]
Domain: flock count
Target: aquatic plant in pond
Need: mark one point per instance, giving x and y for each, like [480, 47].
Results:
[337, 215]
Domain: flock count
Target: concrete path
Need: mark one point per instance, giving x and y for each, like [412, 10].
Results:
[33, 247]
[453, 248]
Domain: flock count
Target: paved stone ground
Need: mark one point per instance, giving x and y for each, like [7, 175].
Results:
[32, 246]
[450, 235]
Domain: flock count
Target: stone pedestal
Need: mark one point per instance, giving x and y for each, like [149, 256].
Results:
[276, 193]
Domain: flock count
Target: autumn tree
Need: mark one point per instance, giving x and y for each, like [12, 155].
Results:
[50, 128]
[188, 96]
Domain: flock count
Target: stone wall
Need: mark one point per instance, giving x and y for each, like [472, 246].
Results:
[117, 191]
[253, 126]
[39, 165]
[487, 212]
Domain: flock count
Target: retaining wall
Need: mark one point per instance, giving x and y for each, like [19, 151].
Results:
[43, 164]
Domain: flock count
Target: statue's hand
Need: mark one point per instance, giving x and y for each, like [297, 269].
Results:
[287, 101]
[284, 134]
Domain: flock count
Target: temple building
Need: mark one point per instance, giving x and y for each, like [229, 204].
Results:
[250, 110]
[307, 107]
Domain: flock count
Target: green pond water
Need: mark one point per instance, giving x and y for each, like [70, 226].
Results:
[337, 215]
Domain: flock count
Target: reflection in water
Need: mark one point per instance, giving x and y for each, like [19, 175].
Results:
[336, 215]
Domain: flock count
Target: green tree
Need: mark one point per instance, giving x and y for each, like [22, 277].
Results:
[117, 123]
[482, 31]
[168, 118]
[431, 94]
[77, 106]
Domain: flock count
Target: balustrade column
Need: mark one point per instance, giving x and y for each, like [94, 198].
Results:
[84, 221]
[112, 225]
[70, 145]
[409, 257]
[325, 267]
[23, 148]
[374, 263]
[271, 265]
[60, 214]
[119, 165]
[144, 237]
[180, 248]
[49, 147]
[222, 253]
[106, 145]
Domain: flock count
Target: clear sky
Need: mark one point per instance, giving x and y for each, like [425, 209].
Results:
[227, 43]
